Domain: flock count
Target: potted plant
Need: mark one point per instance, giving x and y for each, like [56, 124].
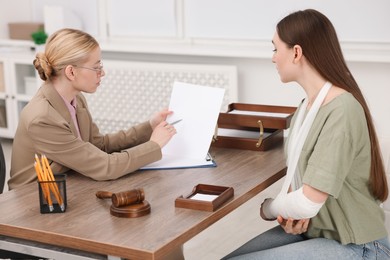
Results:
[39, 38]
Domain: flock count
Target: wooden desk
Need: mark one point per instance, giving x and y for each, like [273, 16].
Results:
[87, 224]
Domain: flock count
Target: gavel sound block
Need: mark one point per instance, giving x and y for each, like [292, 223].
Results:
[127, 204]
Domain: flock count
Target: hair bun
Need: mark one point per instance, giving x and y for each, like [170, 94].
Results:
[42, 65]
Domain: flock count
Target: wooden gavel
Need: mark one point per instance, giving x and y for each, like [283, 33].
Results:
[124, 198]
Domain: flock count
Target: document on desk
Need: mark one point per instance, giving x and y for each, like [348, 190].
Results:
[198, 108]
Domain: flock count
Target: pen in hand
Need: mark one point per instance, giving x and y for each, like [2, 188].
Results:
[175, 122]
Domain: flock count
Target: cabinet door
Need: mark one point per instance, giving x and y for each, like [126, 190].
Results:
[18, 83]
[5, 100]
[24, 82]
[24, 78]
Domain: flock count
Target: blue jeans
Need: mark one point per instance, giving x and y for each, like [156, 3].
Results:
[276, 244]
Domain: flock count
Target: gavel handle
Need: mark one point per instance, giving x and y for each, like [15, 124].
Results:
[104, 194]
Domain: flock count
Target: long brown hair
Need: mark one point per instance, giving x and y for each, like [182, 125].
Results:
[320, 45]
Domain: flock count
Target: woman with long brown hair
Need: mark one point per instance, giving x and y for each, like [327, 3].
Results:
[329, 204]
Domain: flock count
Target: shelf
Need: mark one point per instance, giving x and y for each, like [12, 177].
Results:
[23, 98]
[353, 51]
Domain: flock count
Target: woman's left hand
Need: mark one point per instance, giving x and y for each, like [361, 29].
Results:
[159, 117]
[293, 226]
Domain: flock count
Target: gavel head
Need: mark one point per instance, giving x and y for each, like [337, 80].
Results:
[126, 198]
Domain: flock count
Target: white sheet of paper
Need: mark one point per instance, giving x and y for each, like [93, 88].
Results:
[259, 113]
[198, 107]
[204, 197]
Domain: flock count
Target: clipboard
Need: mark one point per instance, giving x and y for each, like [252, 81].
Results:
[208, 162]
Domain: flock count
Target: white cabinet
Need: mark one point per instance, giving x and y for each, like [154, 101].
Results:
[18, 83]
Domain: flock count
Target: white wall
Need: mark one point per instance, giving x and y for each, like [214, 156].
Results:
[83, 17]
[17, 11]
[374, 80]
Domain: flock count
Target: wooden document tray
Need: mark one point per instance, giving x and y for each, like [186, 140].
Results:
[216, 196]
[252, 127]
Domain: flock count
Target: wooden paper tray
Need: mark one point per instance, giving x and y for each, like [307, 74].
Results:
[192, 200]
[271, 138]
[270, 121]
[263, 121]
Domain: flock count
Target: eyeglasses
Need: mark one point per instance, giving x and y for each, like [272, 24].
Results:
[99, 70]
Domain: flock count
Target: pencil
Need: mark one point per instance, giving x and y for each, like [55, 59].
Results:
[53, 186]
[48, 187]
[44, 186]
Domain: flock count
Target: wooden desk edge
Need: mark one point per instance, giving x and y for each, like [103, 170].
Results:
[74, 243]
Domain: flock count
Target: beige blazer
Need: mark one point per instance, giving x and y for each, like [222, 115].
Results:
[45, 127]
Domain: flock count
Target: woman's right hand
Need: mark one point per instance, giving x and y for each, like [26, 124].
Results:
[292, 226]
[162, 133]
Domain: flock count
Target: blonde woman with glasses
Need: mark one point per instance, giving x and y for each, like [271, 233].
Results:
[57, 123]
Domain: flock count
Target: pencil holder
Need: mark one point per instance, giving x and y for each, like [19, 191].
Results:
[52, 195]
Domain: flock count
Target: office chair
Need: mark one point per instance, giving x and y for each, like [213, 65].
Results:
[2, 169]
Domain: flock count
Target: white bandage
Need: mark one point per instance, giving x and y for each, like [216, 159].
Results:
[293, 205]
